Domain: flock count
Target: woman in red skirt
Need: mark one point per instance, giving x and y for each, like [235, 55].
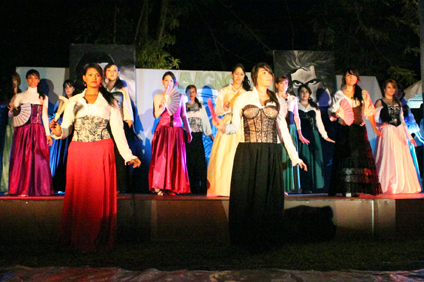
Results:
[89, 208]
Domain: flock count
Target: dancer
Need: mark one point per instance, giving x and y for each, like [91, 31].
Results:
[257, 190]
[89, 208]
[29, 172]
[290, 109]
[59, 149]
[353, 169]
[168, 169]
[312, 126]
[6, 117]
[396, 170]
[115, 85]
[199, 125]
[224, 146]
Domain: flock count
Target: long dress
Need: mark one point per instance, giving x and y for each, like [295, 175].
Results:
[353, 169]
[122, 171]
[396, 170]
[196, 160]
[59, 151]
[168, 166]
[7, 129]
[89, 208]
[224, 147]
[291, 173]
[29, 172]
[311, 154]
[257, 191]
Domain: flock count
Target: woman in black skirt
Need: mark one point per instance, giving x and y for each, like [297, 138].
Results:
[257, 190]
[354, 169]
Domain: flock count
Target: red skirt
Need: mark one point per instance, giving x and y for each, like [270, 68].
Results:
[168, 167]
[89, 209]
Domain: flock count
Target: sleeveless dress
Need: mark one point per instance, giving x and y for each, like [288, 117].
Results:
[396, 169]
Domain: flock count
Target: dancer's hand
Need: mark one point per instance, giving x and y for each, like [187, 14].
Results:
[226, 106]
[303, 166]
[55, 128]
[135, 162]
[189, 137]
[220, 125]
[303, 139]
[413, 142]
[378, 132]
[49, 140]
[329, 140]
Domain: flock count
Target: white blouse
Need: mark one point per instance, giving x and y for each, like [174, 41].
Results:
[31, 96]
[368, 109]
[79, 108]
[203, 116]
[318, 119]
[252, 98]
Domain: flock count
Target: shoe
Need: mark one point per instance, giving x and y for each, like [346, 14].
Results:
[161, 193]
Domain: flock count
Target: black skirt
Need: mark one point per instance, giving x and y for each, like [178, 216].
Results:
[196, 164]
[257, 195]
[354, 169]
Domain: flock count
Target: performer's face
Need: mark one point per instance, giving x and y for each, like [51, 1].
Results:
[282, 88]
[192, 93]
[112, 73]
[304, 94]
[390, 90]
[168, 82]
[238, 76]
[33, 81]
[69, 90]
[265, 78]
[93, 78]
[306, 76]
[351, 79]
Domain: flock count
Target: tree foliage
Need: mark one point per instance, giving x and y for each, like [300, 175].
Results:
[379, 37]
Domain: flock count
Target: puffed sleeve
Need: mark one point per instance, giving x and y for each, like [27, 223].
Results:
[63, 102]
[286, 138]
[68, 120]
[45, 115]
[231, 128]
[320, 125]
[117, 127]
[184, 118]
[295, 110]
[335, 104]
[368, 107]
[207, 130]
[126, 104]
[219, 105]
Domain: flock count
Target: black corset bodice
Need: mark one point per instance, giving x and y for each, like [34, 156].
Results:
[390, 114]
[290, 118]
[307, 120]
[260, 124]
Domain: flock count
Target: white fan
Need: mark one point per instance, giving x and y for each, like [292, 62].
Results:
[173, 101]
[21, 115]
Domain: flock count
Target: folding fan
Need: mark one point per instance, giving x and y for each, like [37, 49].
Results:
[21, 115]
[346, 112]
[173, 101]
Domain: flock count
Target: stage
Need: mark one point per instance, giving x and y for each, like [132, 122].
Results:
[144, 217]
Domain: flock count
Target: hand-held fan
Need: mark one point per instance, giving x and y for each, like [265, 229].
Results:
[173, 101]
[346, 112]
[212, 110]
[21, 115]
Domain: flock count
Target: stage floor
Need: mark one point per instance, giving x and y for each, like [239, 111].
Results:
[144, 217]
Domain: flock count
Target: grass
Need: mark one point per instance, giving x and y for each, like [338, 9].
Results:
[364, 254]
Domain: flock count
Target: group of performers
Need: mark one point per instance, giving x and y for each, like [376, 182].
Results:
[268, 144]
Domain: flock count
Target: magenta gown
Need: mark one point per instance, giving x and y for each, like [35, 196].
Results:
[168, 167]
[29, 171]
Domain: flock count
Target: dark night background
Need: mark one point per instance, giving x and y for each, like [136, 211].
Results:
[216, 34]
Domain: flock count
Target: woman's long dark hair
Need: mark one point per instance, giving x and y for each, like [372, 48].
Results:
[106, 94]
[392, 81]
[39, 87]
[195, 99]
[310, 101]
[254, 74]
[119, 84]
[245, 83]
[69, 82]
[172, 75]
[358, 90]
